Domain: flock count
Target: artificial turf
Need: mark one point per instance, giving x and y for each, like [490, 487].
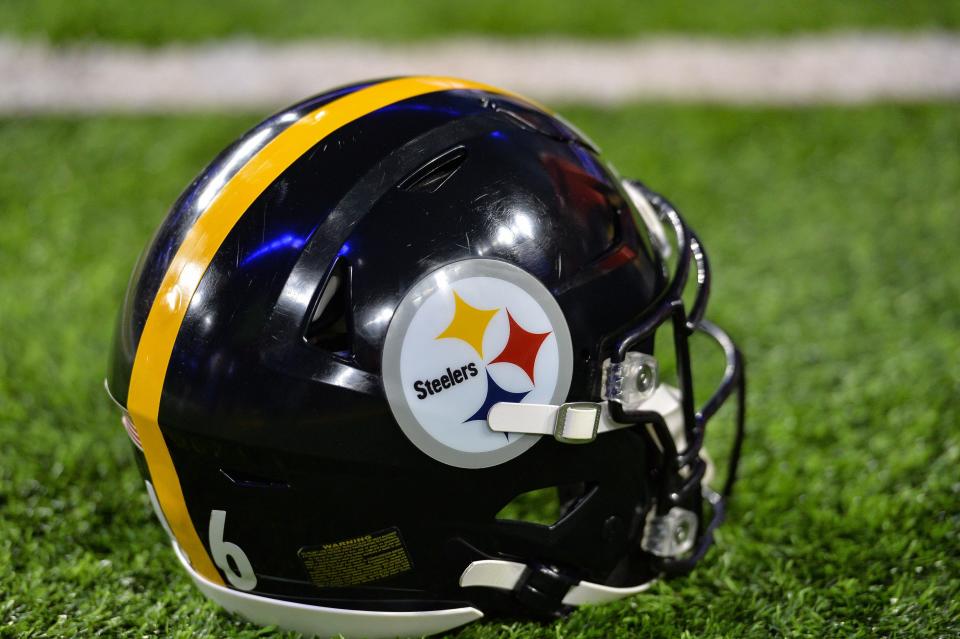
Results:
[154, 22]
[833, 233]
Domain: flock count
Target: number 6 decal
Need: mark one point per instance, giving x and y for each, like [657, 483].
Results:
[240, 574]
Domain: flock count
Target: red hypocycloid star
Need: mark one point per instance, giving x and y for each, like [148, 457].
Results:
[522, 347]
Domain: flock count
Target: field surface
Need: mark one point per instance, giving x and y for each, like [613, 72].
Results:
[833, 234]
[154, 22]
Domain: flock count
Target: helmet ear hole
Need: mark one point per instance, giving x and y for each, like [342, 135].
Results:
[543, 506]
[330, 321]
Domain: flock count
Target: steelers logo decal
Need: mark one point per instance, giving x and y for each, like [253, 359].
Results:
[467, 336]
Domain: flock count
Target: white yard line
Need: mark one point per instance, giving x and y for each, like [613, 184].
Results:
[838, 68]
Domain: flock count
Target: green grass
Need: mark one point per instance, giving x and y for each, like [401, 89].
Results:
[184, 20]
[833, 234]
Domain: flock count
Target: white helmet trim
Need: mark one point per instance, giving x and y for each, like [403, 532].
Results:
[325, 622]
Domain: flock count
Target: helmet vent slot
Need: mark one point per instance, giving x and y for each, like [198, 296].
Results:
[329, 326]
[435, 173]
[246, 480]
[543, 506]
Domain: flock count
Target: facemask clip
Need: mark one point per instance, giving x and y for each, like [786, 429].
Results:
[671, 534]
[630, 382]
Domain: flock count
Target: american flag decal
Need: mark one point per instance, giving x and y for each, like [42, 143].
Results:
[131, 431]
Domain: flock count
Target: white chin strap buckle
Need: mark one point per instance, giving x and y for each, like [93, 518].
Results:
[633, 383]
[512, 575]
[581, 422]
[577, 422]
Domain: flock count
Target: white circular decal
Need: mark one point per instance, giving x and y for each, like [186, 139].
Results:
[467, 336]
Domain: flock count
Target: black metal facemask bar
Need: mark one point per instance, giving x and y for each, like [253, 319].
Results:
[684, 470]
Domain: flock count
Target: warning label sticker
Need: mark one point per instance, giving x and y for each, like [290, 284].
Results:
[356, 561]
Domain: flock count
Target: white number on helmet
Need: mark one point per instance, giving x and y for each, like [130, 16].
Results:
[240, 574]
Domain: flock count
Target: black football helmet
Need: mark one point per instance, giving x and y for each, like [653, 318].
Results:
[385, 313]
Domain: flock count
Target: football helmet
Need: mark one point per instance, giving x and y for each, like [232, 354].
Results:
[386, 313]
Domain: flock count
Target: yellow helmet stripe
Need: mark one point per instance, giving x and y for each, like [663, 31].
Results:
[193, 257]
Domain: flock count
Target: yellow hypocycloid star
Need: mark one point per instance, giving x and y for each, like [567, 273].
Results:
[469, 323]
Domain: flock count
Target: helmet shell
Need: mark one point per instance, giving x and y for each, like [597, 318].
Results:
[283, 423]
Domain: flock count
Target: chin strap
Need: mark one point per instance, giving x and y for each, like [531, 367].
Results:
[581, 422]
[538, 584]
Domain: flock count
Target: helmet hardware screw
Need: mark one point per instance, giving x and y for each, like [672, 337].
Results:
[645, 378]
